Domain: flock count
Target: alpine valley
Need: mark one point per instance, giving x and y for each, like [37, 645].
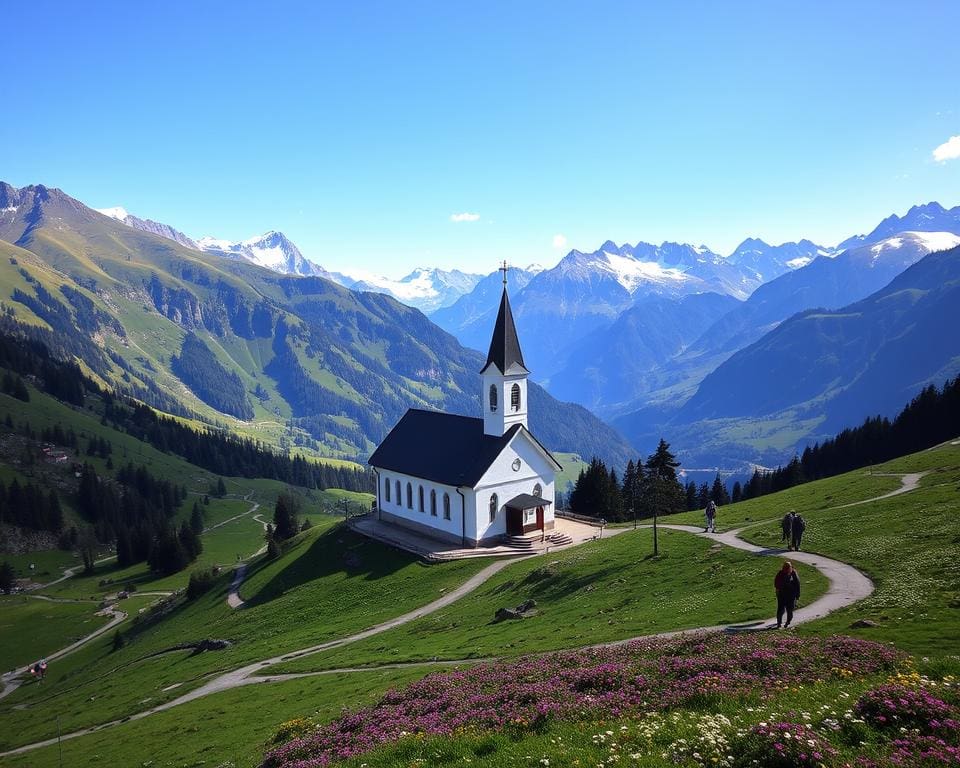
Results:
[206, 333]
[737, 360]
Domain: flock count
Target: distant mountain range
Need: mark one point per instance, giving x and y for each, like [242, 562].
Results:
[557, 309]
[823, 370]
[665, 340]
[284, 359]
[425, 288]
[727, 398]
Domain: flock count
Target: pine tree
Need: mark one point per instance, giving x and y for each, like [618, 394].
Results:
[196, 519]
[737, 494]
[286, 516]
[664, 493]
[7, 577]
[719, 493]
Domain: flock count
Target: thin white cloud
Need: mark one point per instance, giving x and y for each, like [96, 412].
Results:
[559, 241]
[457, 218]
[949, 150]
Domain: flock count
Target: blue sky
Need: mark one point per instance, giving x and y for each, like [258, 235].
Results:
[359, 129]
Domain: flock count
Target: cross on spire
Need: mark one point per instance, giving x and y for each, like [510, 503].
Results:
[504, 269]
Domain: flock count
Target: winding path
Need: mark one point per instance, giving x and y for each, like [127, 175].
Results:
[847, 586]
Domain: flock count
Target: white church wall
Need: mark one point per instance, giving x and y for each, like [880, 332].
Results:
[502, 479]
[396, 510]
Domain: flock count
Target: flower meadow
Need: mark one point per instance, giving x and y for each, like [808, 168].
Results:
[665, 702]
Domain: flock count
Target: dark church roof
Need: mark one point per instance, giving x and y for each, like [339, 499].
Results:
[505, 345]
[442, 447]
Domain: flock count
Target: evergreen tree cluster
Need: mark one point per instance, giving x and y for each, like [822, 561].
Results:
[136, 510]
[219, 388]
[932, 417]
[30, 506]
[216, 451]
[14, 386]
[226, 454]
[698, 496]
[647, 488]
[286, 516]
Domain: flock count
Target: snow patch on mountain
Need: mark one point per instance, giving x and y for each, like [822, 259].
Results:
[631, 272]
[425, 288]
[925, 242]
[117, 212]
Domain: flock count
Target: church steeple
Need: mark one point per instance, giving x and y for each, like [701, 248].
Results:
[505, 350]
[504, 375]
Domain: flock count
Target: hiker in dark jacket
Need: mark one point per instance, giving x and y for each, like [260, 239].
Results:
[711, 516]
[797, 528]
[787, 585]
[786, 527]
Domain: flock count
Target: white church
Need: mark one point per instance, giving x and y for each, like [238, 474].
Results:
[466, 481]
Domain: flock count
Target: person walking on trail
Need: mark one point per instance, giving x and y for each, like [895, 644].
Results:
[787, 585]
[711, 515]
[786, 528]
[796, 532]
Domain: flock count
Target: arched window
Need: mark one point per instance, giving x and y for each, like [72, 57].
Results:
[493, 397]
[515, 397]
[446, 506]
[399, 497]
[409, 496]
[494, 504]
[433, 502]
[538, 490]
[386, 487]
[420, 497]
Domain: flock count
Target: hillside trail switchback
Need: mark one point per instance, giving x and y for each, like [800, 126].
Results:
[847, 585]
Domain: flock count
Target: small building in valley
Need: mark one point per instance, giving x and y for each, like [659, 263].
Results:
[465, 480]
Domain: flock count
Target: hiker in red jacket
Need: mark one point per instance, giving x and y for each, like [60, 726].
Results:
[787, 585]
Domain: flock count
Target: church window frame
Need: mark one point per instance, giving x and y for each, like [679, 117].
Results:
[538, 491]
[420, 498]
[386, 488]
[409, 495]
[446, 506]
[493, 398]
[398, 494]
[494, 506]
[515, 397]
[433, 502]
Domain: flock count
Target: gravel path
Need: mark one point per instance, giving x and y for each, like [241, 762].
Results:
[847, 586]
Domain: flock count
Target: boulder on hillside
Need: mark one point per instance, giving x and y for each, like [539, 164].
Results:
[523, 611]
[863, 624]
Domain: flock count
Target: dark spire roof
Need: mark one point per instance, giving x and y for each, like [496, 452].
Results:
[505, 345]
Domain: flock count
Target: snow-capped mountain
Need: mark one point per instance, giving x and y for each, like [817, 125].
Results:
[148, 225]
[478, 308]
[272, 250]
[770, 261]
[425, 288]
[931, 217]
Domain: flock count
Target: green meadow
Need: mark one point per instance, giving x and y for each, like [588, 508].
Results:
[329, 583]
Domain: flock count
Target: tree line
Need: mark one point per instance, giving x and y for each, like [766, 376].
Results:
[28, 505]
[647, 487]
[213, 450]
[932, 417]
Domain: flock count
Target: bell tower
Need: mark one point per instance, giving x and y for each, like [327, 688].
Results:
[504, 376]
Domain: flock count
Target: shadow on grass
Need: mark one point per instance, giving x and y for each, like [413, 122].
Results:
[336, 550]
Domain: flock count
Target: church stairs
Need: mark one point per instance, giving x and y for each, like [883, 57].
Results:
[522, 543]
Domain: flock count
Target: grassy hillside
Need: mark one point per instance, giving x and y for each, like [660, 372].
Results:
[292, 361]
[598, 592]
[329, 583]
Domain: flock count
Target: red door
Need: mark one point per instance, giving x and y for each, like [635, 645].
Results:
[540, 518]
